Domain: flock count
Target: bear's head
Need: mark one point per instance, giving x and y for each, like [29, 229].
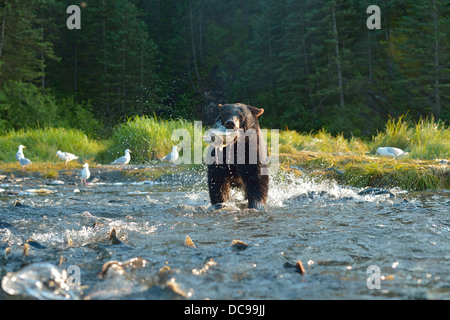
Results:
[239, 116]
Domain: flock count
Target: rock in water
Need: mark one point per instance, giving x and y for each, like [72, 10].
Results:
[18, 204]
[113, 237]
[376, 192]
[5, 225]
[239, 245]
[188, 242]
[121, 267]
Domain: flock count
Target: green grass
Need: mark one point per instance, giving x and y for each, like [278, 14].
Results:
[348, 161]
[322, 141]
[147, 138]
[363, 171]
[424, 140]
[42, 144]
[408, 176]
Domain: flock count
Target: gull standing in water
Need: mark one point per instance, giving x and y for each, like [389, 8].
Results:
[173, 156]
[66, 156]
[85, 174]
[124, 159]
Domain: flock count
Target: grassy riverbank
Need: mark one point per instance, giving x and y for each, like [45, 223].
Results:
[349, 161]
[367, 170]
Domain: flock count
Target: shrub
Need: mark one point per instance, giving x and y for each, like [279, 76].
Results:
[23, 105]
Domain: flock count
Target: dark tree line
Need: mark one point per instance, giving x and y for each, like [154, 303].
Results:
[309, 64]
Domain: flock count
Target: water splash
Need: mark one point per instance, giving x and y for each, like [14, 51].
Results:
[42, 281]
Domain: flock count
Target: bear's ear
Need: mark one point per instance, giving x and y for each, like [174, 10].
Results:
[256, 111]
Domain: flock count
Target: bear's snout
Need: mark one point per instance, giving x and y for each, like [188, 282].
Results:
[231, 124]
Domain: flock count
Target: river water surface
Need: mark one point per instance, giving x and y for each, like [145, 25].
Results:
[351, 245]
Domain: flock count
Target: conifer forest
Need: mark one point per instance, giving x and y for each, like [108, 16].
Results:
[309, 64]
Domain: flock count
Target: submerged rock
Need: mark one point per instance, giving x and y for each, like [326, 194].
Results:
[18, 204]
[35, 244]
[5, 225]
[239, 245]
[118, 267]
[322, 195]
[117, 201]
[376, 192]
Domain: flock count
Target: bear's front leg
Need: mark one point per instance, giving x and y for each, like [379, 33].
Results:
[218, 184]
[257, 196]
[256, 186]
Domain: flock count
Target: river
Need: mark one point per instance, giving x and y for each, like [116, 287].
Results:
[351, 245]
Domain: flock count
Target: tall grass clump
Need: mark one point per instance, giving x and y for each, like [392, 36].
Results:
[42, 144]
[426, 139]
[321, 141]
[148, 138]
[430, 140]
[397, 133]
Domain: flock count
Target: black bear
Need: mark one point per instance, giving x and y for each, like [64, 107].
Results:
[242, 162]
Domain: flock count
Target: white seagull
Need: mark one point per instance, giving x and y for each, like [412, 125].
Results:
[85, 174]
[19, 153]
[66, 156]
[24, 162]
[173, 156]
[124, 159]
[391, 152]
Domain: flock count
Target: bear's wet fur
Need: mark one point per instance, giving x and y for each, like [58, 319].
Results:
[231, 167]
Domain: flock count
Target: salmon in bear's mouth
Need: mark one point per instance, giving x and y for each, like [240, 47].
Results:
[219, 136]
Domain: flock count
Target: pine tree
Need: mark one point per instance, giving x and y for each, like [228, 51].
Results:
[423, 55]
[23, 49]
[112, 61]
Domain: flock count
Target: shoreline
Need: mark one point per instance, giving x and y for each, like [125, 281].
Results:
[346, 169]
